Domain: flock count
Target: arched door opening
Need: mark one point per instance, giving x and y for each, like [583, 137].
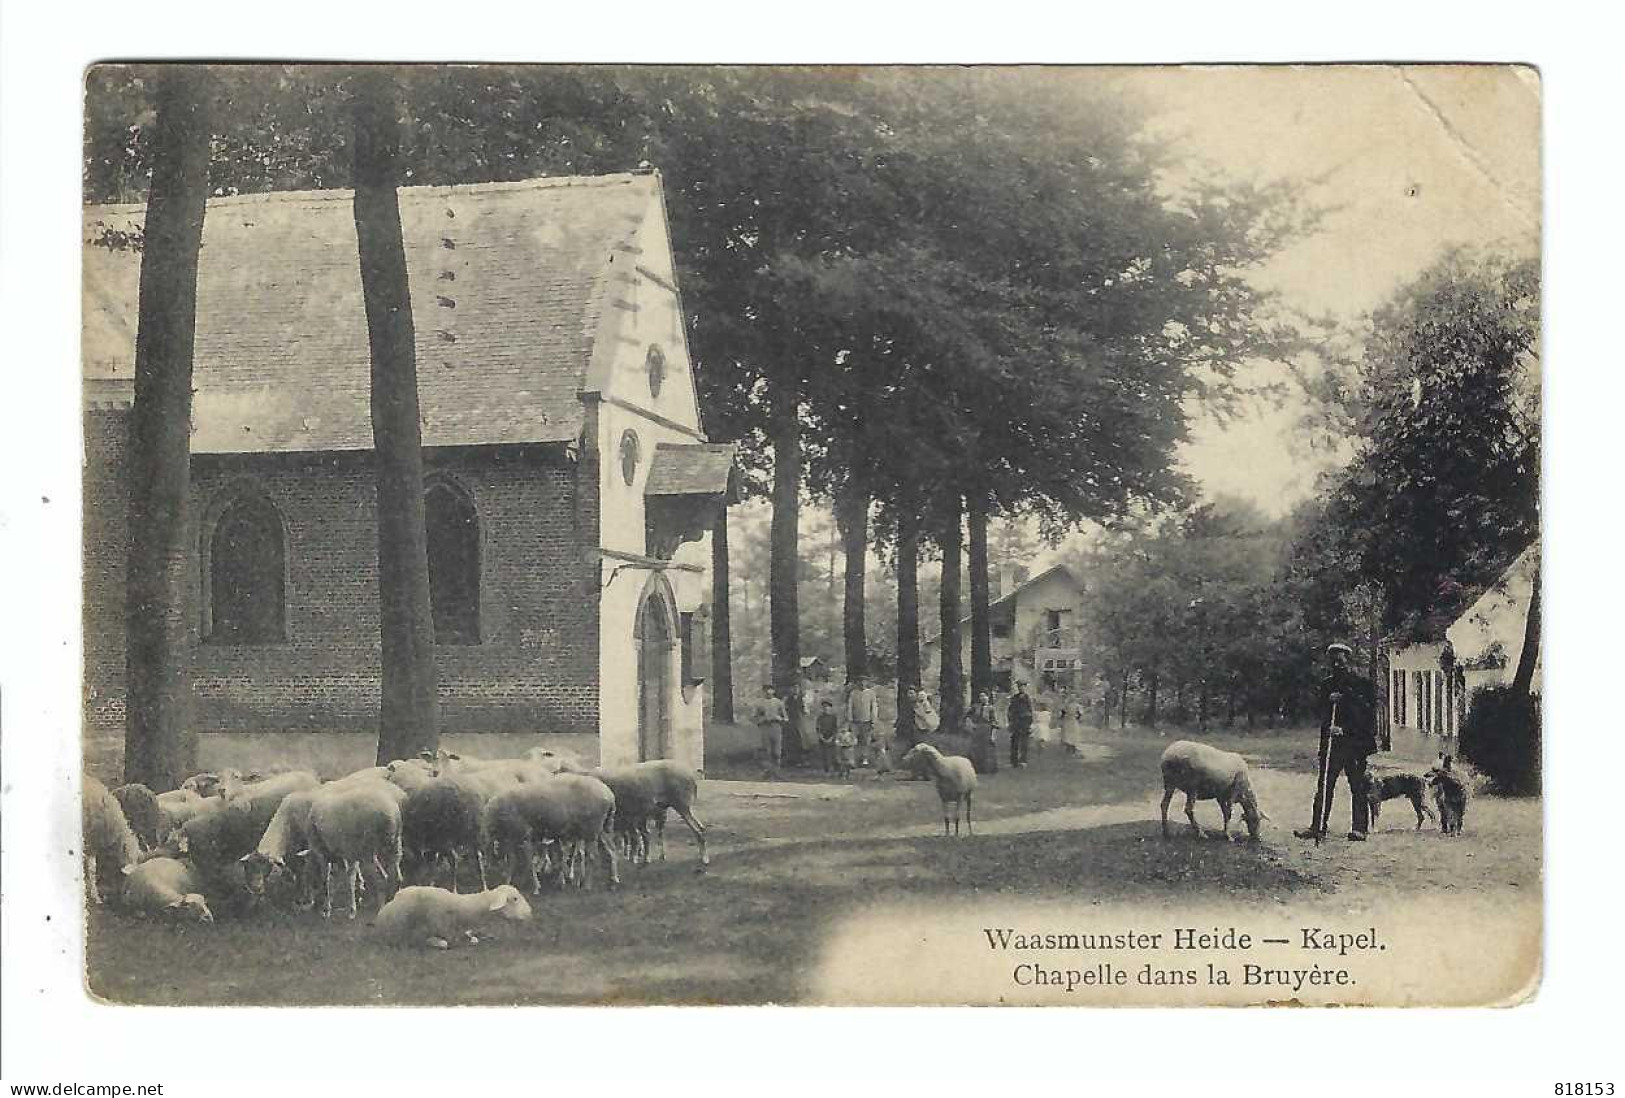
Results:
[654, 637]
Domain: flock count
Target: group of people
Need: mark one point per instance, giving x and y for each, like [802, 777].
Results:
[849, 732]
[843, 731]
[840, 736]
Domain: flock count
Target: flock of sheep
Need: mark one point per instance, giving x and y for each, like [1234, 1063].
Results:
[241, 840]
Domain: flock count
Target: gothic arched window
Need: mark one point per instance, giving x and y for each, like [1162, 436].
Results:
[247, 575]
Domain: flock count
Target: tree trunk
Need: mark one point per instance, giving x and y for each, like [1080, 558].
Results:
[981, 621]
[722, 673]
[160, 744]
[1523, 679]
[784, 624]
[908, 617]
[409, 709]
[1151, 683]
[852, 515]
[1122, 703]
[951, 679]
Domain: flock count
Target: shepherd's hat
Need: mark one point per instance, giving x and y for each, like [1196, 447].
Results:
[1339, 647]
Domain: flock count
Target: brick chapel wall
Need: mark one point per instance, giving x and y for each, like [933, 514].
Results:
[105, 522]
[535, 669]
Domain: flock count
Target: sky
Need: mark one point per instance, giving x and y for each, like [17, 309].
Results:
[1409, 160]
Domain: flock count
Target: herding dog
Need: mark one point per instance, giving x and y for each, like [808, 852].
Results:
[1450, 794]
[1386, 787]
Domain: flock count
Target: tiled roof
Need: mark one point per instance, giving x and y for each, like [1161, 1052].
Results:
[687, 470]
[507, 281]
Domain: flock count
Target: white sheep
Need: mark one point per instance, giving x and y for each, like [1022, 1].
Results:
[286, 836]
[409, 774]
[955, 777]
[108, 842]
[167, 887]
[437, 917]
[643, 793]
[574, 810]
[1205, 773]
[357, 825]
[491, 775]
[178, 806]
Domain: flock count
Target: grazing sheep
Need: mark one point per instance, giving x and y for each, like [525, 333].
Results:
[216, 840]
[286, 836]
[166, 887]
[436, 917]
[573, 810]
[956, 781]
[358, 825]
[144, 813]
[108, 843]
[1205, 773]
[440, 822]
[643, 793]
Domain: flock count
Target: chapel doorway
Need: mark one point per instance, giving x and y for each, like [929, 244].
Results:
[654, 679]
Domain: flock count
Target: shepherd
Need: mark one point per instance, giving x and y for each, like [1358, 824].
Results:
[1348, 737]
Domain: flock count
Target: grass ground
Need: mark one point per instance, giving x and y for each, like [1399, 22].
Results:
[792, 858]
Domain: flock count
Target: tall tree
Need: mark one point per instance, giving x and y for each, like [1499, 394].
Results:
[852, 515]
[785, 564]
[981, 622]
[951, 679]
[409, 709]
[159, 743]
[907, 552]
[722, 675]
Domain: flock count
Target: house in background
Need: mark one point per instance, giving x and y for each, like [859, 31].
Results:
[1432, 680]
[1035, 638]
[568, 477]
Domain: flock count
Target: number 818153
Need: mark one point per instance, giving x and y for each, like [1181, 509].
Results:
[1583, 1090]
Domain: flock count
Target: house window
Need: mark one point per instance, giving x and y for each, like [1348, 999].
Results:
[453, 531]
[1001, 628]
[1052, 621]
[247, 575]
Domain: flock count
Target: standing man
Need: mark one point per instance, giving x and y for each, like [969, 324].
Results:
[771, 717]
[862, 710]
[1021, 725]
[1348, 736]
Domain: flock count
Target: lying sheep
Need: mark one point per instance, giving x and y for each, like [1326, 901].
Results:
[955, 777]
[643, 793]
[107, 841]
[166, 887]
[436, 917]
[574, 810]
[144, 813]
[440, 824]
[1205, 773]
[357, 825]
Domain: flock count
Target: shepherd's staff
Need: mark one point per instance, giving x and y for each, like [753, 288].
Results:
[1322, 809]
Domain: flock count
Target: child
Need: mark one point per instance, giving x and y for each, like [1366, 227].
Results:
[828, 729]
[846, 751]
